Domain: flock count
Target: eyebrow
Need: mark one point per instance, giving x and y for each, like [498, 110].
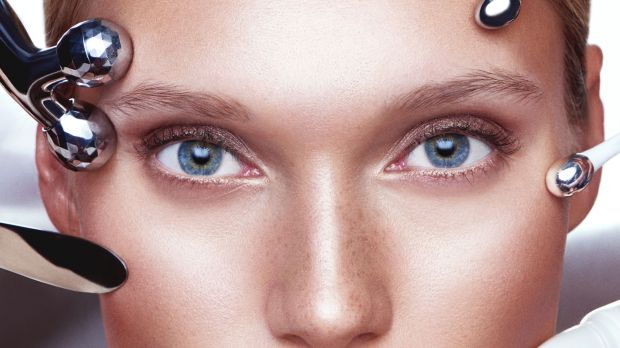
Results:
[497, 82]
[150, 96]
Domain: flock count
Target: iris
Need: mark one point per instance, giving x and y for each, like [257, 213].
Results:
[447, 150]
[199, 158]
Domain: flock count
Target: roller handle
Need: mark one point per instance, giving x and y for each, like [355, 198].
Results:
[21, 62]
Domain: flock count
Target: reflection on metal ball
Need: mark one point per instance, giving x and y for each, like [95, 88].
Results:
[495, 14]
[94, 52]
[82, 138]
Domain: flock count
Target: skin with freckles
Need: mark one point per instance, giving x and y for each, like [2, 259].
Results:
[326, 235]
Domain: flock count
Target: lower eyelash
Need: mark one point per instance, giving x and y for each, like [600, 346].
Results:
[469, 174]
[148, 147]
[224, 182]
[503, 142]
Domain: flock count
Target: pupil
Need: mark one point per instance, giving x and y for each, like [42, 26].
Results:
[447, 150]
[446, 147]
[199, 158]
[201, 155]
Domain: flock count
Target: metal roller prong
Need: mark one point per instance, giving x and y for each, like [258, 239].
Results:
[569, 175]
[573, 173]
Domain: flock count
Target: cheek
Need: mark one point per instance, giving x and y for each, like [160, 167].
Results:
[187, 278]
[488, 263]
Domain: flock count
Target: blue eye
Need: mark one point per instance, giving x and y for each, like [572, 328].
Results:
[199, 158]
[448, 151]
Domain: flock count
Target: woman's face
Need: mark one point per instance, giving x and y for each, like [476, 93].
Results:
[331, 173]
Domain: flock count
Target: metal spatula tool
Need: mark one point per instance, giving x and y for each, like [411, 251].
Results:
[60, 260]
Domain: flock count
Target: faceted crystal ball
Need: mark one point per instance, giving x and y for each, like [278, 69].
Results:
[94, 52]
[82, 138]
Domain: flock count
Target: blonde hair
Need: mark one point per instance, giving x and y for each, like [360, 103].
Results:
[574, 14]
[60, 15]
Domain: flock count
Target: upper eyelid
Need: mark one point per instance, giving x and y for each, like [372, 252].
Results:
[460, 123]
[450, 123]
[217, 135]
[504, 141]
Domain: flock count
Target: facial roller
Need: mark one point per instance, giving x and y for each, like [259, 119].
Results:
[90, 54]
[495, 14]
[81, 137]
[572, 174]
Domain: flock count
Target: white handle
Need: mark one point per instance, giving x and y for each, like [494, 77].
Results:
[599, 329]
[603, 152]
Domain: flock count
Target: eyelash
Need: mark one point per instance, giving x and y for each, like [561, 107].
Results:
[503, 144]
[150, 145]
[209, 134]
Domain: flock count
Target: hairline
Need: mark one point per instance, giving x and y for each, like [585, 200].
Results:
[573, 57]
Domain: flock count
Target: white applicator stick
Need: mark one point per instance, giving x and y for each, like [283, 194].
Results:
[603, 152]
[573, 173]
[599, 329]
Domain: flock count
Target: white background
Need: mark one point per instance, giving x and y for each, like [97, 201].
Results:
[20, 203]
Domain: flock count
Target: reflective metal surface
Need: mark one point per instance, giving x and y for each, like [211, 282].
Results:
[495, 14]
[94, 52]
[60, 260]
[569, 175]
[24, 69]
[89, 54]
[82, 137]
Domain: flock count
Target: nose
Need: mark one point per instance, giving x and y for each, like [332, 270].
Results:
[331, 287]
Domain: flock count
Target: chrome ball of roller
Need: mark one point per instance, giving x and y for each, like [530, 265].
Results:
[94, 52]
[82, 138]
[495, 14]
[570, 175]
[91, 54]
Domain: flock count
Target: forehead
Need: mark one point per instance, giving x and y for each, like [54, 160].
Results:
[310, 53]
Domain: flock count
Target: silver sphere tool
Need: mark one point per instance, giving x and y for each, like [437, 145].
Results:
[495, 14]
[572, 174]
[94, 52]
[82, 137]
[90, 54]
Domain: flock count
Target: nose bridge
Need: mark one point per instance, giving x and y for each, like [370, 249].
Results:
[334, 290]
